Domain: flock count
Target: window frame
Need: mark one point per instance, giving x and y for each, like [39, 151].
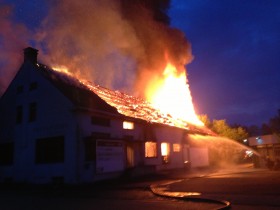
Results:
[19, 114]
[128, 125]
[165, 157]
[154, 149]
[7, 151]
[32, 116]
[50, 150]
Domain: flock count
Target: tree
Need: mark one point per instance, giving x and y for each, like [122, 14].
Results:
[206, 121]
[222, 128]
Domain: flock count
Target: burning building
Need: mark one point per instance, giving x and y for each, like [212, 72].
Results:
[55, 127]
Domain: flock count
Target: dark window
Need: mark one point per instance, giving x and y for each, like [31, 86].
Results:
[6, 153]
[19, 89]
[90, 149]
[50, 150]
[100, 121]
[33, 86]
[19, 114]
[32, 111]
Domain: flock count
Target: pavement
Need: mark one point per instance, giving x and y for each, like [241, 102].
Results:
[247, 188]
[164, 188]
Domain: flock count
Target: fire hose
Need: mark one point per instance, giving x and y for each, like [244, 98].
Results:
[161, 190]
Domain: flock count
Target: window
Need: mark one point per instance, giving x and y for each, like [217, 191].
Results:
[128, 125]
[165, 152]
[176, 147]
[6, 154]
[33, 86]
[150, 149]
[101, 121]
[32, 111]
[50, 150]
[90, 149]
[19, 114]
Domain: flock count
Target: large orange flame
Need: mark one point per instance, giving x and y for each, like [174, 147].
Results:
[172, 95]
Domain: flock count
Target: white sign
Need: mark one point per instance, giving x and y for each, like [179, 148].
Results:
[109, 156]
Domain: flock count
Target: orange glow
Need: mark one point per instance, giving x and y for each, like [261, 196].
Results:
[169, 99]
[165, 149]
[172, 95]
[63, 69]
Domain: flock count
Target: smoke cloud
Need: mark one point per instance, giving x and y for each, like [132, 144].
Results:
[119, 44]
[92, 39]
[13, 38]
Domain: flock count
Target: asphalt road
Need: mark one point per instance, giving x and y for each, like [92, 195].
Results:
[246, 190]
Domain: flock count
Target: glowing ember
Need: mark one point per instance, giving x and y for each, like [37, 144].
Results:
[171, 95]
[136, 107]
[63, 69]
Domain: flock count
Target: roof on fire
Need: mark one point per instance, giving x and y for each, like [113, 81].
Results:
[84, 94]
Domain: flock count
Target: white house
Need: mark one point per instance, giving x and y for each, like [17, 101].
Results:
[53, 128]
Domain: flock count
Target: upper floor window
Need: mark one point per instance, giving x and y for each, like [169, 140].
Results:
[19, 114]
[33, 86]
[32, 111]
[128, 125]
[100, 121]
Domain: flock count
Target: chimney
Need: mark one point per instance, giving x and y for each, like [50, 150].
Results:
[30, 55]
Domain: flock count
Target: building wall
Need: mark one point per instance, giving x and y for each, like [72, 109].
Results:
[56, 118]
[53, 118]
[165, 138]
[268, 146]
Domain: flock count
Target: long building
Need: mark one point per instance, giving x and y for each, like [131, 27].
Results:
[56, 128]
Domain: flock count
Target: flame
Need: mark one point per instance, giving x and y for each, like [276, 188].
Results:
[63, 69]
[172, 95]
[169, 98]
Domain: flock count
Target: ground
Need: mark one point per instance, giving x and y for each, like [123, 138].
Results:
[245, 189]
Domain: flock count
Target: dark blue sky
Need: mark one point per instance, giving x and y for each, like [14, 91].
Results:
[235, 72]
[236, 46]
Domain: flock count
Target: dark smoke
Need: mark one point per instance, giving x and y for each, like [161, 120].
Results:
[114, 42]
[119, 44]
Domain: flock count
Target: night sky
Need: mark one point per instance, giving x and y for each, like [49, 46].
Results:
[236, 46]
[235, 71]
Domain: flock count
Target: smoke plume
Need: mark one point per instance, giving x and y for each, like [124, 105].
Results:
[115, 43]
[13, 38]
[119, 44]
